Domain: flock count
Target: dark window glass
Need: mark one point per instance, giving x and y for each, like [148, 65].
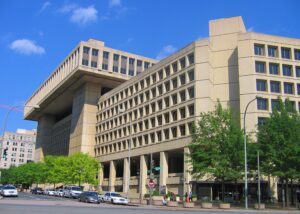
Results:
[259, 49]
[260, 67]
[94, 64]
[131, 72]
[297, 54]
[297, 71]
[275, 104]
[288, 88]
[298, 88]
[191, 58]
[105, 55]
[146, 65]
[272, 51]
[182, 79]
[261, 85]
[191, 92]
[287, 70]
[262, 104]
[86, 50]
[275, 87]
[95, 52]
[261, 121]
[191, 75]
[286, 53]
[274, 68]
[85, 62]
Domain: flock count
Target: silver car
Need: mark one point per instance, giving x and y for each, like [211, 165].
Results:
[9, 190]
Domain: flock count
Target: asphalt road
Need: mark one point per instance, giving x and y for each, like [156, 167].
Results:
[27, 203]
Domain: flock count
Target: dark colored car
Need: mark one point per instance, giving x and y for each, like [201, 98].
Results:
[37, 191]
[89, 197]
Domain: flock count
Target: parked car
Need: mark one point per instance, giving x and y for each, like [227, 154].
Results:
[49, 192]
[59, 192]
[114, 198]
[72, 191]
[89, 197]
[37, 190]
[9, 190]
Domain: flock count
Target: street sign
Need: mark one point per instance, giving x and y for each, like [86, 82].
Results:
[151, 184]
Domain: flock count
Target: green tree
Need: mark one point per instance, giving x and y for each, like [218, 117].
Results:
[57, 169]
[216, 150]
[279, 143]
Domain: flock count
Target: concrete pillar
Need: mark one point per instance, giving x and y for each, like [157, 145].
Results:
[112, 176]
[273, 190]
[186, 168]
[44, 135]
[143, 176]
[83, 122]
[164, 171]
[100, 176]
[125, 175]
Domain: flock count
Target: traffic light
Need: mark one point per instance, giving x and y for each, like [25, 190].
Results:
[5, 153]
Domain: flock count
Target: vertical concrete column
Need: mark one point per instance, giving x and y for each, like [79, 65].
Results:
[186, 168]
[83, 122]
[164, 171]
[273, 188]
[100, 177]
[143, 176]
[44, 135]
[112, 176]
[125, 175]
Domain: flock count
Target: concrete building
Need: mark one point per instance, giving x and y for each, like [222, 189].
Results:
[103, 101]
[17, 148]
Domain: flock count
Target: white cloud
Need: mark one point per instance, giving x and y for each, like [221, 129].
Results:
[166, 51]
[250, 29]
[83, 16]
[114, 3]
[68, 8]
[26, 47]
[117, 6]
[45, 6]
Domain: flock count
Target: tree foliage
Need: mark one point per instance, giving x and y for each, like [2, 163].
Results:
[217, 146]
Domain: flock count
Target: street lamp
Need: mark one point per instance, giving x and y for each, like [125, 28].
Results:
[7, 116]
[129, 150]
[245, 151]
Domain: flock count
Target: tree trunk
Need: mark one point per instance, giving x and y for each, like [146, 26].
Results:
[292, 191]
[282, 193]
[287, 192]
[236, 190]
[223, 189]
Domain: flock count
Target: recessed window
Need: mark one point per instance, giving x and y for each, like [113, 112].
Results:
[182, 79]
[274, 104]
[274, 68]
[261, 85]
[275, 86]
[262, 104]
[298, 88]
[260, 67]
[182, 112]
[174, 131]
[191, 110]
[191, 75]
[191, 58]
[182, 130]
[174, 82]
[85, 62]
[297, 54]
[175, 67]
[297, 71]
[191, 92]
[174, 115]
[94, 64]
[259, 49]
[174, 99]
[288, 88]
[261, 121]
[287, 70]
[272, 51]
[146, 65]
[290, 105]
[86, 50]
[182, 63]
[286, 53]
[105, 55]
[95, 52]
[182, 95]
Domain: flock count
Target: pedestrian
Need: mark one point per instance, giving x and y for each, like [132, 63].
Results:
[191, 196]
[186, 197]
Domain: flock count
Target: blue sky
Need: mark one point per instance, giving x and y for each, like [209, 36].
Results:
[36, 35]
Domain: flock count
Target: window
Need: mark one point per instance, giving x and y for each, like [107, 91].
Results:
[105, 66]
[174, 115]
[191, 92]
[261, 121]
[175, 67]
[191, 58]
[275, 86]
[274, 104]
[290, 105]
[105, 55]
[298, 88]
[167, 134]
[95, 52]
[272, 51]
[288, 88]
[174, 132]
[182, 95]
[182, 130]
[116, 57]
[182, 79]
[94, 64]
[286, 53]
[86, 50]
[85, 62]
[174, 82]
[261, 85]
[167, 86]
[191, 75]
[182, 63]
[297, 71]
[191, 110]
[297, 54]
[115, 69]
[146, 65]
[287, 70]
[259, 49]
[262, 104]
[274, 68]
[260, 67]
[167, 117]
[182, 113]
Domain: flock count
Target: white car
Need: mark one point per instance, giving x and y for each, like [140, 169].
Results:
[59, 192]
[9, 190]
[72, 191]
[114, 198]
[49, 192]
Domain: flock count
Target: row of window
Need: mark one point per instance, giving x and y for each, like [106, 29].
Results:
[119, 62]
[275, 86]
[167, 101]
[274, 69]
[273, 51]
[152, 79]
[263, 104]
[137, 127]
[181, 130]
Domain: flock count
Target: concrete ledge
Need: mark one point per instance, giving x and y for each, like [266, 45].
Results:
[188, 205]
[224, 206]
[172, 204]
[261, 207]
[157, 202]
[135, 201]
[206, 205]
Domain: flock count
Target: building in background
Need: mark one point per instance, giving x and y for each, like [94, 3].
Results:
[17, 148]
[104, 101]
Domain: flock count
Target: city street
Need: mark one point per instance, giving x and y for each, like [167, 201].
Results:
[27, 203]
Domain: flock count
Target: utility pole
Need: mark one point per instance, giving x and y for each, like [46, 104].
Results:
[258, 181]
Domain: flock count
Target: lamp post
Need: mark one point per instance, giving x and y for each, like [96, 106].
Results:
[6, 119]
[129, 150]
[245, 152]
